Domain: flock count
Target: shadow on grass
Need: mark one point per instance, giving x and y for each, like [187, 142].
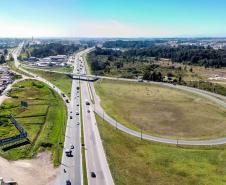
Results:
[16, 145]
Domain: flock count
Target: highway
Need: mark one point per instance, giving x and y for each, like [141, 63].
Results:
[94, 152]
[95, 156]
[71, 167]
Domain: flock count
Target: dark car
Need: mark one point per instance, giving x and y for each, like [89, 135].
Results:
[93, 174]
[70, 117]
[68, 182]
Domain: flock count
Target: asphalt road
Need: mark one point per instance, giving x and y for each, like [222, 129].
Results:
[71, 167]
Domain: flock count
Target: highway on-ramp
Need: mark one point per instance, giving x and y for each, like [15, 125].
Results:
[71, 167]
[96, 161]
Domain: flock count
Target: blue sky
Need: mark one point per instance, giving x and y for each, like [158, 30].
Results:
[112, 18]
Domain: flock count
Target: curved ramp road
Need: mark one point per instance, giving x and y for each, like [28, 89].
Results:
[95, 156]
[113, 122]
[71, 165]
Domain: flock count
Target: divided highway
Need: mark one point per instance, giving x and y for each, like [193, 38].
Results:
[96, 161]
[98, 172]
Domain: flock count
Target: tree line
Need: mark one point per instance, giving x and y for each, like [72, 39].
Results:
[115, 62]
[3, 56]
[133, 44]
[194, 55]
[41, 51]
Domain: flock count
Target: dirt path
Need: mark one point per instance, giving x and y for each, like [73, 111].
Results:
[38, 171]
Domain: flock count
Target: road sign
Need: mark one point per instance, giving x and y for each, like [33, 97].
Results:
[24, 104]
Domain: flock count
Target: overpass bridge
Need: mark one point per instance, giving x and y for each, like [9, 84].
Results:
[81, 76]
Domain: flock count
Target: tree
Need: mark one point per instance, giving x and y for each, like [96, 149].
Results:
[2, 59]
[11, 58]
[180, 79]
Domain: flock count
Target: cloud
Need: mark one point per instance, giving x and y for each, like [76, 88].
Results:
[109, 28]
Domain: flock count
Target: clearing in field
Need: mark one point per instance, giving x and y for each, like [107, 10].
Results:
[162, 111]
[133, 161]
[44, 120]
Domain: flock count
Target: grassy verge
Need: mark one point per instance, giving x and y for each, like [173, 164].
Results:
[12, 66]
[54, 68]
[161, 111]
[85, 179]
[44, 120]
[88, 67]
[133, 161]
[62, 81]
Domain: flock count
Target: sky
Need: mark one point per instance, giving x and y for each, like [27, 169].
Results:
[113, 18]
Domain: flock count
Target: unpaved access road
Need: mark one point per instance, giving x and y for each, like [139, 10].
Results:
[38, 171]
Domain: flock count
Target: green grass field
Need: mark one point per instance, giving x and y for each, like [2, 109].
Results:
[60, 80]
[53, 68]
[44, 120]
[133, 161]
[61, 69]
[162, 111]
